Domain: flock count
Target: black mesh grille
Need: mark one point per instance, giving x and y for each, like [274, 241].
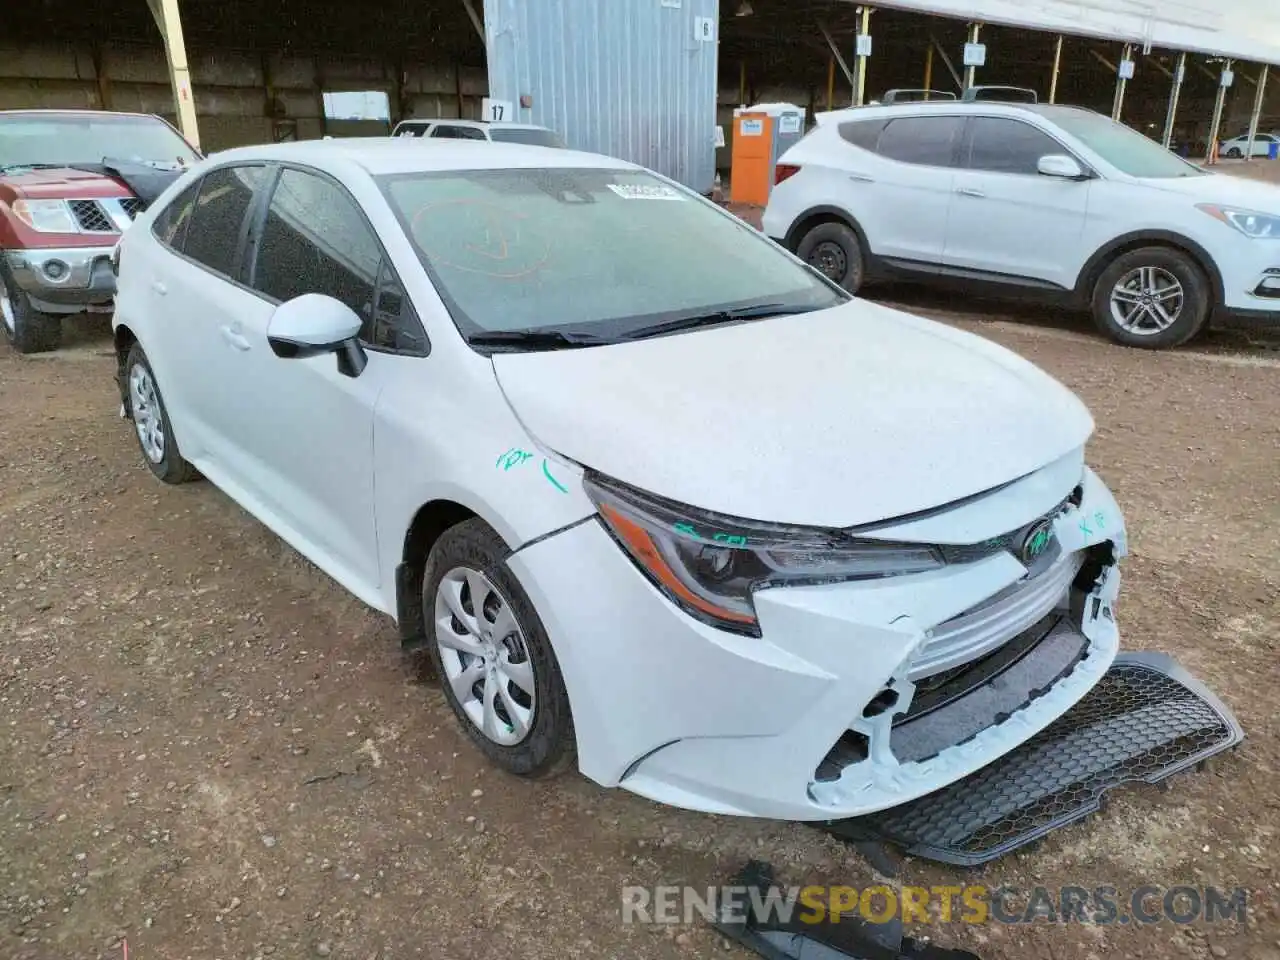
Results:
[1144, 721]
[131, 206]
[91, 217]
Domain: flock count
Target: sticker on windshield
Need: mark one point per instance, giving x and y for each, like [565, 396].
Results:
[644, 191]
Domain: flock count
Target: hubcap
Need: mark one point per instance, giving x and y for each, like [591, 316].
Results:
[6, 311]
[146, 412]
[485, 658]
[830, 259]
[1147, 301]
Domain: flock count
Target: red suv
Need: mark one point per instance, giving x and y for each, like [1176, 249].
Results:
[71, 181]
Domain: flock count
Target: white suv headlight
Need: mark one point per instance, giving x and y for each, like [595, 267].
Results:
[1259, 226]
[46, 216]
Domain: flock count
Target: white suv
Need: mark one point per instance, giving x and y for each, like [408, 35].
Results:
[1057, 202]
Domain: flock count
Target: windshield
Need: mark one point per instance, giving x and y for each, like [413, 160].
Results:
[595, 253]
[531, 136]
[89, 138]
[1123, 147]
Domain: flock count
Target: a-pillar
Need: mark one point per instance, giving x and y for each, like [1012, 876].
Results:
[169, 21]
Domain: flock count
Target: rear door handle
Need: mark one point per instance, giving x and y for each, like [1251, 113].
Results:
[234, 338]
[970, 192]
[861, 178]
[159, 287]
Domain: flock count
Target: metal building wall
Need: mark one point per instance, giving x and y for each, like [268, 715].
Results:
[626, 78]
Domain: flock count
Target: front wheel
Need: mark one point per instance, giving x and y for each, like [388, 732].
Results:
[27, 329]
[1234, 153]
[151, 422]
[492, 654]
[834, 250]
[1154, 297]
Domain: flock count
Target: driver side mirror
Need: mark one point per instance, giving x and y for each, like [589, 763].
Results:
[1061, 166]
[313, 324]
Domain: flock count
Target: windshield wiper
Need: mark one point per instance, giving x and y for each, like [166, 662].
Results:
[535, 339]
[755, 312]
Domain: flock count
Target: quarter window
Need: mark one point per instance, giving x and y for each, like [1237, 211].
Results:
[316, 240]
[862, 133]
[1008, 146]
[216, 223]
[170, 225]
[924, 140]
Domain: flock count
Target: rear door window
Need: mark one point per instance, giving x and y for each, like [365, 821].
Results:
[451, 132]
[215, 234]
[930, 141]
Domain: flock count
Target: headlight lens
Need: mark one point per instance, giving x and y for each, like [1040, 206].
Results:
[1259, 226]
[711, 564]
[47, 216]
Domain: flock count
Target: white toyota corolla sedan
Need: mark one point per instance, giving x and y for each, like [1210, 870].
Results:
[656, 495]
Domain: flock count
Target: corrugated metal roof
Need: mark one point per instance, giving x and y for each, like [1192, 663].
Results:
[627, 79]
[1245, 29]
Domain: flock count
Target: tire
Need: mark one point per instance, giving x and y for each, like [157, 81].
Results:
[1127, 302]
[154, 430]
[27, 329]
[531, 731]
[1235, 153]
[834, 250]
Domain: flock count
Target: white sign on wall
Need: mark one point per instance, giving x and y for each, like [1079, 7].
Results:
[496, 111]
[719, 136]
[789, 123]
[1228, 78]
[975, 54]
[704, 29]
[863, 46]
[1126, 69]
[751, 128]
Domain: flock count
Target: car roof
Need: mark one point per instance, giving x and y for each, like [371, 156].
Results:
[42, 112]
[392, 155]
[1048, 111]
[477, 124]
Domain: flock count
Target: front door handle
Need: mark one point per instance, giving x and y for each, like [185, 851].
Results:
[970, 192]
[861, 178]
[159, 287]
[234, 338]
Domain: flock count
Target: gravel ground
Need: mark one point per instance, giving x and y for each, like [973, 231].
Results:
[208, 749]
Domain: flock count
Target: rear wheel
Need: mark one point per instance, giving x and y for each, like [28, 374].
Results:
[151, 422]
[1234, 153]
[27, 329]
[1153, 297]
[833, 249]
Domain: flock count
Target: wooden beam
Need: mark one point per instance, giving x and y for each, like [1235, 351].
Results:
[475, 20]
[100, 75]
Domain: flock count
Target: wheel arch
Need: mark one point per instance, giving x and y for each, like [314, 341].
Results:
[123, 339]
[1121, 245]
[429, 523]
[824, 213]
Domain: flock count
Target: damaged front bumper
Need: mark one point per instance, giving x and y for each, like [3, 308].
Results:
[859, 696]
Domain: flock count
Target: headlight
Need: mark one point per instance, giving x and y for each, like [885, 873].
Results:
[1259, 226]
[47, 216]
[711, 564]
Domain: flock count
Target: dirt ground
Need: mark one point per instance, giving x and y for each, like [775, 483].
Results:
[208, 749]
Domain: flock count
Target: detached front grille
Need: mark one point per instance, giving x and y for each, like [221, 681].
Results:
[91, 217]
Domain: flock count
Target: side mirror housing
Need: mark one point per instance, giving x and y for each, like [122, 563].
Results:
[1061, 166]
[313, 324]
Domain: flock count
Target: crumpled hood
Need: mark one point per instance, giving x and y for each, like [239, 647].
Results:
[836, 418]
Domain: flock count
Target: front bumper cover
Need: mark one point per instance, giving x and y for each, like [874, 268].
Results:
[82, 277]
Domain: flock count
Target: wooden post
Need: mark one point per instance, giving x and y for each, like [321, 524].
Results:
[100, 74]
[742, 83]
[928, 70]
[165, 13]
[831, 83]
[1179, 74]
[1057, 65]
[1257, 109]
[317, 77]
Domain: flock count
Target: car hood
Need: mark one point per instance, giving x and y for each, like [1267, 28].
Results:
[1222, 188]
[60, 182]
[836, 418]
